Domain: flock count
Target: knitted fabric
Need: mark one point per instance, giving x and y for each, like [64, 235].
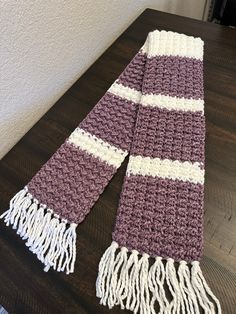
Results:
[154, 112]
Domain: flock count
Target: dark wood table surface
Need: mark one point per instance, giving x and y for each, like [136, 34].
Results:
[24, 286]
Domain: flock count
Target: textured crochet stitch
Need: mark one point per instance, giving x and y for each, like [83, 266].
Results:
[153, 112]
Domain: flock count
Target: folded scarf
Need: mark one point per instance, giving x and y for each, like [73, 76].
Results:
[153, 112]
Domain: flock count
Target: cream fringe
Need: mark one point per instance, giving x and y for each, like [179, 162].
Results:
[127, 279]
[52, 239]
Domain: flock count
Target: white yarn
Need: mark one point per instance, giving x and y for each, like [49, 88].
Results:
[130, 280]
[25, 227]
[132, 296]
[167, 43]
[29, 221]
[144, 286]
[165, 168]
[173, 285]
[202, 290]
[12, 210]
[120, 258]
[97, 147]
[187, 289]
[105, 271]
[123, 280]
[51, 239]
[36, 227]
[157, 100]
[156, 285]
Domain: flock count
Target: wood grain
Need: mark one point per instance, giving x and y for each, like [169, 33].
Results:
[24, 287]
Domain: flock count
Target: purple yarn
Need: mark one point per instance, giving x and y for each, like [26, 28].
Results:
[165, 75]
[167, 134]
[113, 120]
[174, 76]
[161, 217]
[71, 182]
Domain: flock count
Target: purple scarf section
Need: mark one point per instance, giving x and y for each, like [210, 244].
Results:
[154, 113]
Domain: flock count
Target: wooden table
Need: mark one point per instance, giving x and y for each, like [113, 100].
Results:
[24, 287]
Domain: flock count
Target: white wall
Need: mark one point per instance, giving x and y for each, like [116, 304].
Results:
[45, 46]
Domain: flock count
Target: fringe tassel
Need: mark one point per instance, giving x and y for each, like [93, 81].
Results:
[48, 236]
[127, 279]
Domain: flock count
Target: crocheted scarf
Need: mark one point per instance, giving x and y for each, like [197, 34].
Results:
[153, 112]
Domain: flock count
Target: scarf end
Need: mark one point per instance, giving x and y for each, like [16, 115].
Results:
[133, 282]
[52, 239]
